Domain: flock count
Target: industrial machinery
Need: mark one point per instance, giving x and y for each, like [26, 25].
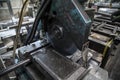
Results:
[63, 54]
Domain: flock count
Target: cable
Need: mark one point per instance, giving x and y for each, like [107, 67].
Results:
[17, 37]
[34, 28]
[36, 22]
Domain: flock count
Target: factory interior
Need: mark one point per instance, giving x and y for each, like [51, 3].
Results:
[59, 39]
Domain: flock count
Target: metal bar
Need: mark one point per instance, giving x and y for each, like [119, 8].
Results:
[10, 7]
[23, 24]
[103, 14]
[13, 67]
[28, 53]
[113, 7]
[107, 21]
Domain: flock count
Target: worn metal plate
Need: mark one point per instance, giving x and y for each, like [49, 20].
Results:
[56, 65]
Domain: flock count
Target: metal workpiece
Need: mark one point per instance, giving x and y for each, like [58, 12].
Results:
[104, 17]
[99, 42]
[102, 40]
[106, 29]
[103, 14]
[107, 5]
[107, 21]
